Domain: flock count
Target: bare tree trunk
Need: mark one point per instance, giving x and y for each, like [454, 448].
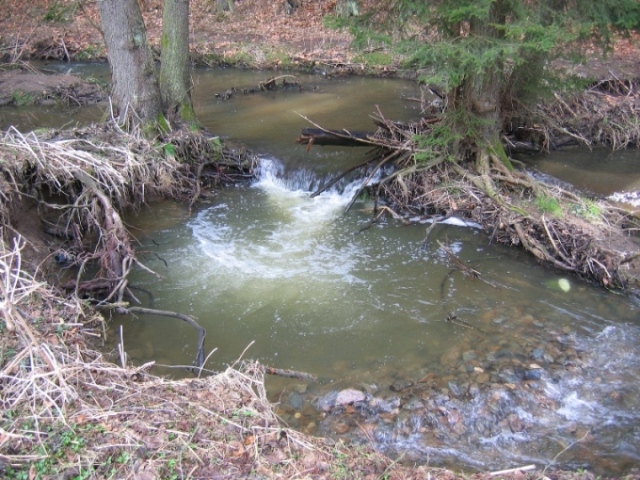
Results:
[175, 82]
[135, 89]
[224, 6]
[347, 8]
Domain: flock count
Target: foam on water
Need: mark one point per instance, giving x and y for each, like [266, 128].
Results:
[271, 259]
[631, 198]
[292, 244]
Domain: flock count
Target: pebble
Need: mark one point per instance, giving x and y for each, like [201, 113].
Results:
[413, 404]
[295, 400]
[400, 385]
[349, 397]
[340, 428]
[488, 385]
[468, 355]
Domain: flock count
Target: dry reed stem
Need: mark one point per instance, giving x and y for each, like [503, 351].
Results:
[605, 114]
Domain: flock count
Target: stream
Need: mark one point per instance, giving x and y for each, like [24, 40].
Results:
[428, 366]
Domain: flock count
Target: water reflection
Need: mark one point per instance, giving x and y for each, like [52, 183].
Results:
[599, 171]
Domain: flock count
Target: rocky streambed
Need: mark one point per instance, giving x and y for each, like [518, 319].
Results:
[505, 393]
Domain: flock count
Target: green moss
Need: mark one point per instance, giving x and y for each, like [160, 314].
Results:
[548, 204]
[375, 59]
[187, 114]
[499, 151]
[22, 99]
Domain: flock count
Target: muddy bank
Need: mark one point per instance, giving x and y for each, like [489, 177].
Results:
[20, 88]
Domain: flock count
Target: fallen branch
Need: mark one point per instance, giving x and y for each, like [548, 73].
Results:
[339, 138]
[202, 333]
[290, 374]
[465, 269]
[381, 211]
[526, 468]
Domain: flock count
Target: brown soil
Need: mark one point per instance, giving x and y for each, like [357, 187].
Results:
[73, 32]
[258, 34]
[64, 30]
[20, 87]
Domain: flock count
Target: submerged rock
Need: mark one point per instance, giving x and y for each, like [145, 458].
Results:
[349, 397]
[400, 385]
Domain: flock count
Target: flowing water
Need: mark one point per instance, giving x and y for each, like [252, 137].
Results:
[443, 369]
[615, 175]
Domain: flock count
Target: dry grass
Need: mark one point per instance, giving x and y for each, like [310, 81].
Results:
[83, 182]
[605, 114]
[569, 231]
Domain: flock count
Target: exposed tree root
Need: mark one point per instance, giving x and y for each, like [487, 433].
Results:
[578, 237]
[604, 114]
[202, 333]
[82, 183]
[561, 228]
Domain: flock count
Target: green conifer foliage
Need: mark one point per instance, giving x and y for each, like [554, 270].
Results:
[492, 57]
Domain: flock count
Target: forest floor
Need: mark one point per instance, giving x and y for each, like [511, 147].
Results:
[67, 412]
[256, 34]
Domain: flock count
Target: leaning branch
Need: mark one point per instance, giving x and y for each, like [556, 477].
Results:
[202, 333]
[290, 374]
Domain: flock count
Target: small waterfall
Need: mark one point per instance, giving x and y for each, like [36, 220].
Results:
[285, 233]
[272, 176]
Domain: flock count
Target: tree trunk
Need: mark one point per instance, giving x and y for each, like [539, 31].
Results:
[347, 8]
[175, 85]
[479, 96]
[135, 91]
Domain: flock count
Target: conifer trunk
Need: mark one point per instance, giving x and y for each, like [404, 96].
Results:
[135, 92]
[480, 94]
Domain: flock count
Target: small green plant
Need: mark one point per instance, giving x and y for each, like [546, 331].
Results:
[22, 99]
[340, 467]
[548, 204]
[169, 150]
[70, 439]
[123, 457]
[588, 209]
[61, 12]
[172, 463]
[375, 59]
[243, 413]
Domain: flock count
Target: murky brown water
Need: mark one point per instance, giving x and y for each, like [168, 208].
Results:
[525, 368]
[614, 175]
